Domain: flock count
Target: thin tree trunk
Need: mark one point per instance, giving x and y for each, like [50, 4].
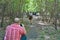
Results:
[55, 8]
[4, 6]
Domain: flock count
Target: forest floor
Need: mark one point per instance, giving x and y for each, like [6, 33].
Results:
[38, 31]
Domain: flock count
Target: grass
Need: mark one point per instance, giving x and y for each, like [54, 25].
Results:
[53, 34]
[2, 32]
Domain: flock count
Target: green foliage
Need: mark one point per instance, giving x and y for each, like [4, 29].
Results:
[30, 5]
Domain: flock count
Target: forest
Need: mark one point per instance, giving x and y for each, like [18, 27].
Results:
[49, 11]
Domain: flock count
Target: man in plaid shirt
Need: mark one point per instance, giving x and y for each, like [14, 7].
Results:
[14, 31]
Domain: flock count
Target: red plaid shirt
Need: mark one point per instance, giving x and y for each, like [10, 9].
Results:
[14, 32]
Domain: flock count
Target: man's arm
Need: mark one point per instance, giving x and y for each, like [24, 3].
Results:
[22, 30]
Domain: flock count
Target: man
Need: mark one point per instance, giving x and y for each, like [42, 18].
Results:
[30, 17]
[14, 31]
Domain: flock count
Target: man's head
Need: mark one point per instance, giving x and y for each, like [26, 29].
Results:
[17, 20]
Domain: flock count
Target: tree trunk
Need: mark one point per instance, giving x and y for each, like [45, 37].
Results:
[55, 8]
[3, 15]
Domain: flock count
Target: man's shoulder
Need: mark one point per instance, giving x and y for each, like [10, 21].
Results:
[10, 26]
